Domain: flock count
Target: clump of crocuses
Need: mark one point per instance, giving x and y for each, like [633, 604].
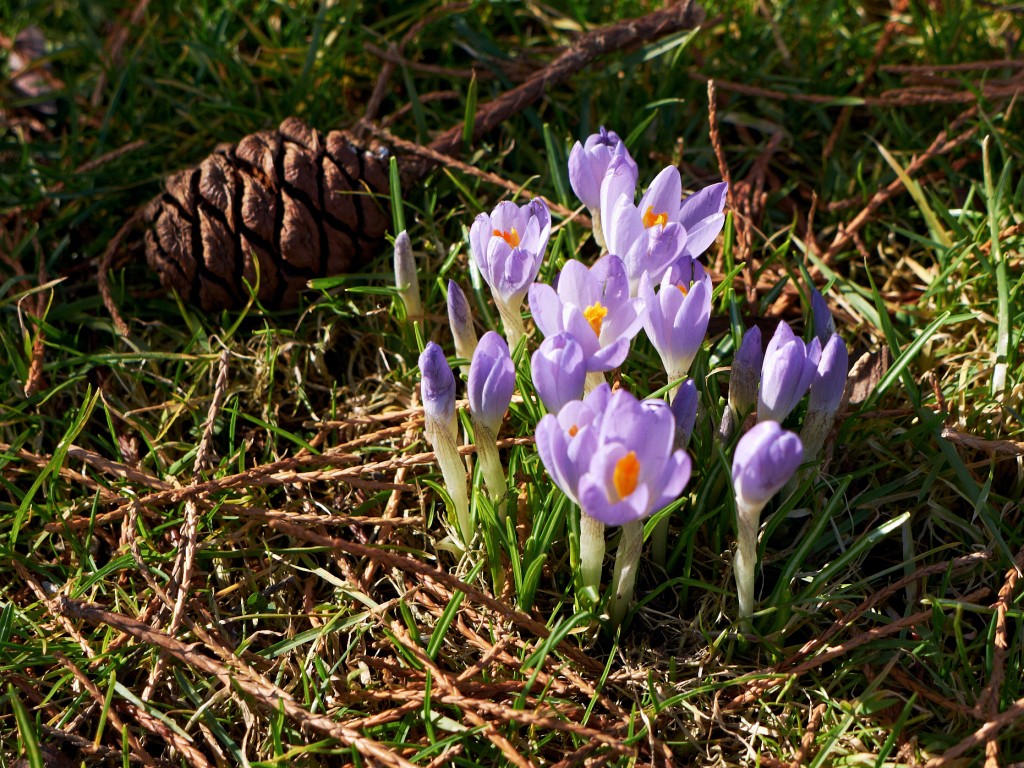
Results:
[613, 455]
[619, 457]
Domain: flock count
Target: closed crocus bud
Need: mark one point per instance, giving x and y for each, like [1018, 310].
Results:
[745, 373]
[406, 279]
[824, 323]
[766, 458]
[437, 385]
[492, 380]
[684, 408]
[588, 164]
[826, 394]
[787, 372]
[559, 371]
[461, 321]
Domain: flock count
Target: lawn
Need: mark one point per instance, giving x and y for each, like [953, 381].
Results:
[225, 538]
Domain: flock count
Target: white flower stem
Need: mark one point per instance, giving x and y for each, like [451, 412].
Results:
[627, 558]
[453, 469]
[592, 382]
[512, 320]
[591, 553]
[490, 466]
[744, 564]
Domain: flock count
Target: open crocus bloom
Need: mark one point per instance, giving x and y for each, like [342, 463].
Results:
[647, 244]
[788, 369]
[633, 470]
[566, 440]
[593, 306]
[700, 214]
[508, 246]
[676, 319]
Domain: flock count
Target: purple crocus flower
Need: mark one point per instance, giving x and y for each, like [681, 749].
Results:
[787, 372]
[826, 395]
[824, 324]
[701, 215]
[437, 385]
[633, 470]
[676, 319]
[766, 458]
[745, 373]
[508, 246]
[566, 439]
[559, 371]
[647, 244]
[460, 318]
[492, 380]
[684, 409]
[829, 377]
[589, 162]
[594, 306]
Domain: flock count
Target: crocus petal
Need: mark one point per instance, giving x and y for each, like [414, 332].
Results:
[559, 371]
[766, 458]
[664, 194]
[492, 380]
[437, 384]
[829, 377]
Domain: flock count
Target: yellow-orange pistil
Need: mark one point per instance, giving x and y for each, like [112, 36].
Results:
[627, 471]
[512, 238]
[651, 218]
[595, 315]
[684, 289]
[573, 430]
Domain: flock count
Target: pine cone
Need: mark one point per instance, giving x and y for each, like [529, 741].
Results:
[289, 202]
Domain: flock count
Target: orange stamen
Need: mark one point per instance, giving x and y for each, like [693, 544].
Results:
[594, 314]
[627, 471]
[651, 218]
[683, 289]
[573, 430]
[512, 238]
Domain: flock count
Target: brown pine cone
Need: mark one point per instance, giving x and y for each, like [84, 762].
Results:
[288, 201]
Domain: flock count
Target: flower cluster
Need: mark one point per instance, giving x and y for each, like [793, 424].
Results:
[618, 457]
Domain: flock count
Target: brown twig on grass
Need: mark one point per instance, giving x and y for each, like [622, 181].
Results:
[988, 702]
[237, 675]
[899, 7]
[411, 565]
[802, 661]
[137, 750]
[807, 740]
[940, 146]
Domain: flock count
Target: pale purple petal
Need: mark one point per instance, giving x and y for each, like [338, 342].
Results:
[766, 458]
